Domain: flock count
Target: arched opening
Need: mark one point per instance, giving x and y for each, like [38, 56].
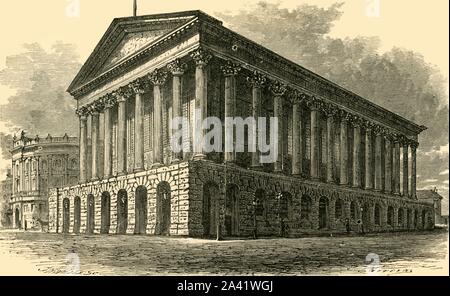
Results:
[424, 219]
[390, 216]
[305, 208]
[163, 212]
[90, 225]
[210, 212]
[416, 219]
[66, 215]
[262, 203]
[286, 206]
[338, 209]
[400, 217]
[122, 211]
[323, 212]
[232, 210]
[17, 219]
[366, 216]
[377, 215]
[408, 218]
[353, 211]
[105, 213]
[140, 226]
[76, 214]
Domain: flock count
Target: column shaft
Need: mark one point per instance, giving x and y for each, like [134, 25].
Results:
[315, 129]
[176, 108]
[413, 171]
[330, 149]
[388, 166]
[139, 132]
[343, 172]
[278, 113]
[230, 103]
[368, 160]
[121, 136]
[356, 156]
[405, 171]
[378, 163]
[396, 167]
[95, 139]
[201, 112]
[157, 127]
[297, 157]
[83, 148]
[107, 163]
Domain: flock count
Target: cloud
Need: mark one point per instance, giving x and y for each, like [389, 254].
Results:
[445, 182]
[445, 172]
[441, 152]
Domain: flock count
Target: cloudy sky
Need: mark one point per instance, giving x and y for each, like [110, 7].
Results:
[421, 26]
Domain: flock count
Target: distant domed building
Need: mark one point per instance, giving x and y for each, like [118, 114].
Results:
[37, 165]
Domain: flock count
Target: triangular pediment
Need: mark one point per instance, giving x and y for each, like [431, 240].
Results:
[124, 38]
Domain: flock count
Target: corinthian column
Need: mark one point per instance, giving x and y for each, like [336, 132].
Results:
[330, 112]
[297, 134]
[343, 172]
[356, 123]
[107, 163]
[138, 87]
[158, 78]
[177, 69]
[123, 94]
[378, 157]
[230, 70]
[95, 138]
[388, 162]
[314, 106]
[396, 165]
[201, 58]
[83, 144]
[278, 91]
[414, 146]
[368, 156]
[405, 168]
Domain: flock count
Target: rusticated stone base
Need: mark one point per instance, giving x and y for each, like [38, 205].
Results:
[286, 205]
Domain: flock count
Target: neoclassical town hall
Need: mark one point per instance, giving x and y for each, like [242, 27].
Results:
[342, 160]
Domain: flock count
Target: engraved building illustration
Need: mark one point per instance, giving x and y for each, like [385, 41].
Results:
[343, 162]
[39, 164]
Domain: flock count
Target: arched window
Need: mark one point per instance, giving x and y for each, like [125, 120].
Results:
[400, 217]
[390, 216]
[338, 209]
[261, 200]
[305, 207]
[286, 205]
[377, 215]
[353, 211]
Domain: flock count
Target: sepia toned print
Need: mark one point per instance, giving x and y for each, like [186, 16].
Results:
[209, 141]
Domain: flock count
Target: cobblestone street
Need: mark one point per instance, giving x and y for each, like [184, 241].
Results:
[26, 253]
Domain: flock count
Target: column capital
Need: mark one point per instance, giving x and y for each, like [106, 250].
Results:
[414, 144]
[201, 56]
[139, 86]
[314, 103]
[177, 67]
[343, 115]
[356, 121]
[110, 100]
[329, 110]
[278, 89]
[158, 77]
[368, 125]
[124, 93]
[256, 79]
[295, 96]
[230, 68]
[82, 112]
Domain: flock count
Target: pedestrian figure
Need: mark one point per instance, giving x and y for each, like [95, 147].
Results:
[25, 225]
